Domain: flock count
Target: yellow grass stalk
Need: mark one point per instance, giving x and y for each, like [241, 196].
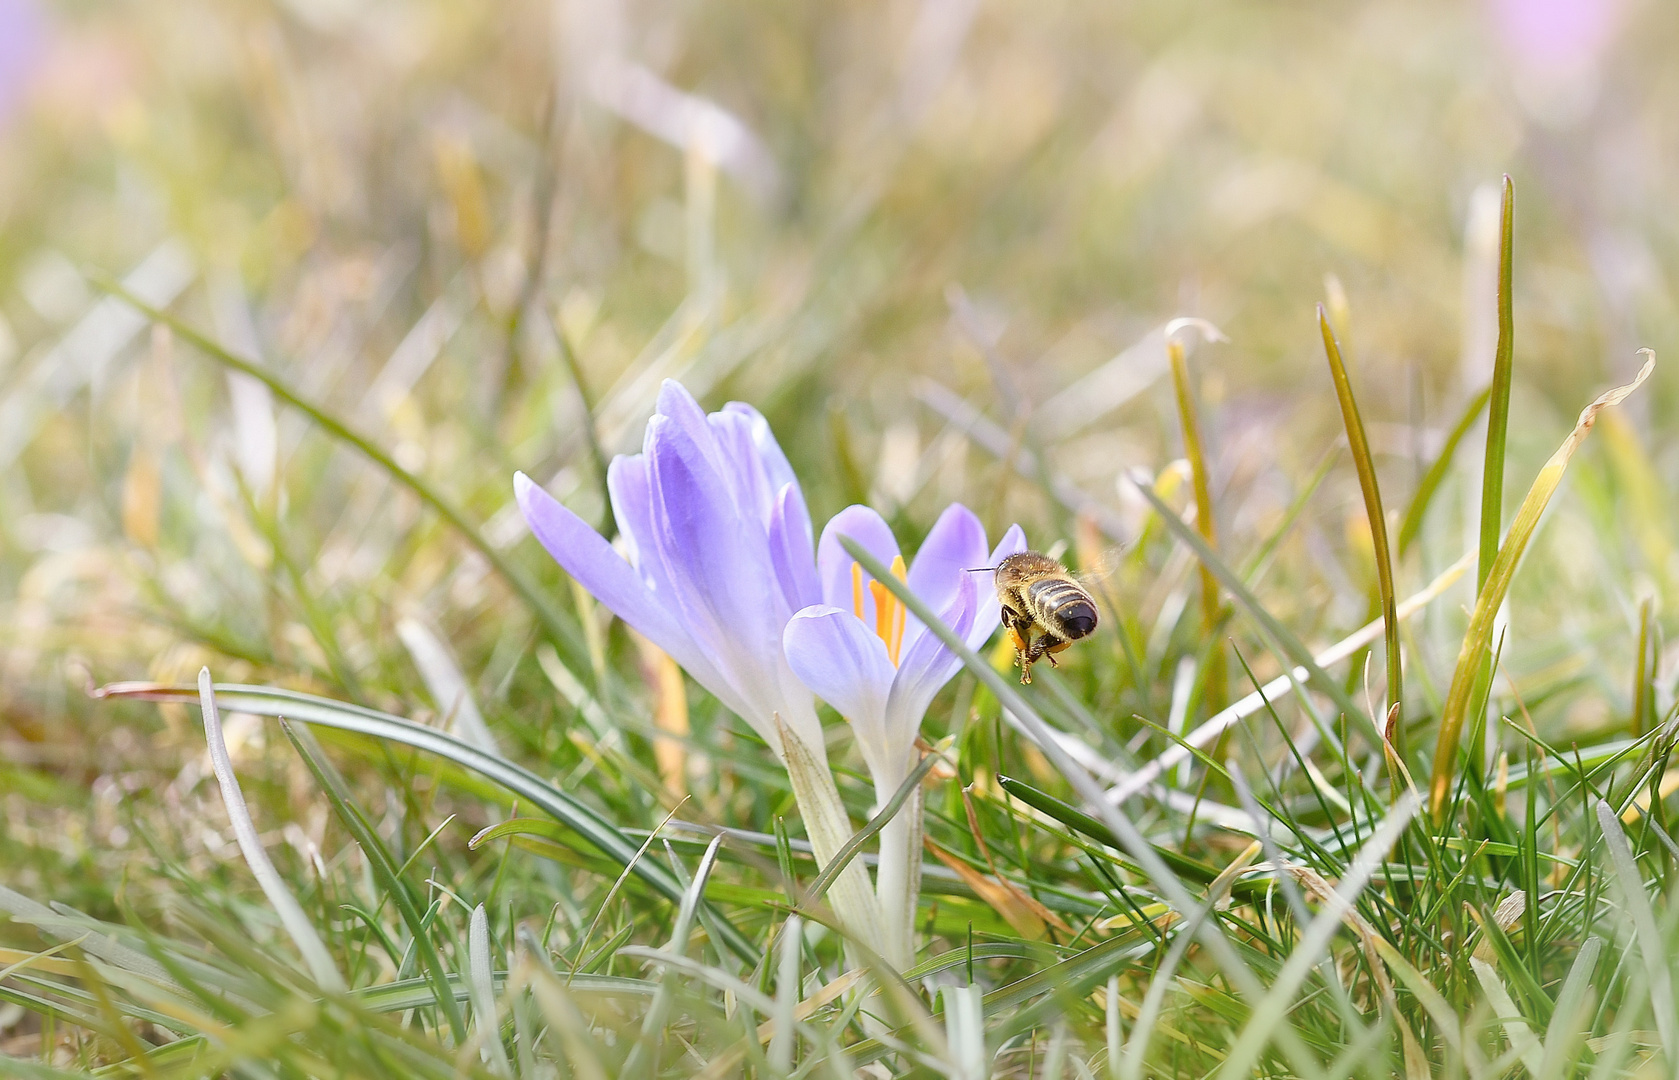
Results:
[1477, 640]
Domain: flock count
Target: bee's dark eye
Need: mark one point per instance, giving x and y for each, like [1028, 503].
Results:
[1078, 620]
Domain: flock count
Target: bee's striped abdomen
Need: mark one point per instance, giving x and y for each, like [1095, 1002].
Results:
[1063, 606]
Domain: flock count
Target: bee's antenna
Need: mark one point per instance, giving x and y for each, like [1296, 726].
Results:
[979, 569]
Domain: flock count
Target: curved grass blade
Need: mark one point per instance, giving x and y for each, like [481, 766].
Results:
[1149, 771]
[1307, 952]
[481, 992]
[1431, 480]
[1378, 531]
[383, 867]
[1477, 639]
[527, 589]
[321, 966]
[1081, 822]
[653, 1025]
[532, 789]
[405, 994]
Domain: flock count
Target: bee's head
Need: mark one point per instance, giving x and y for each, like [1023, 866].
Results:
[1024, 568]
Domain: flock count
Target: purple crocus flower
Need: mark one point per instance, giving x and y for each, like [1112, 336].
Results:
[717, 557]
[862, 653]
[880, 667]
[718, 562]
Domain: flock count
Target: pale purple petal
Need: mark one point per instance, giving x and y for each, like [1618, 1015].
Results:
[790, 548]
[776, 467]
[719, 565]
[833, 562]
[954, 549]
[631, 492]
[743, 465]
[23, 41]
[586, 556]
[845, 664]
[926, 665]
[678, 412]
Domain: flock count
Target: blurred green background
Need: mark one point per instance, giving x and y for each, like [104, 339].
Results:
[900, 228]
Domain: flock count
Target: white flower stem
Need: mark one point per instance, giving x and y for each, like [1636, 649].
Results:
[898, 877]
[829, 828]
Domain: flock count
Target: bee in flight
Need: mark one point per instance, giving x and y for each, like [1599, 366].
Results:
[1041, 598]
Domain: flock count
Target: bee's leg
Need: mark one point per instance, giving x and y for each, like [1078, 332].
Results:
[1020, 631]
[1040, 648]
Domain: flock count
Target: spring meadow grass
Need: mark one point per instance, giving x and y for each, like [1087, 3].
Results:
[328, 748]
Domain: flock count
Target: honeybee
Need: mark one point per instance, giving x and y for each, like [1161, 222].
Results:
[1040, 596]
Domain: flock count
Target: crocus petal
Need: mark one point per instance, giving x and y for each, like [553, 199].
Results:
[744, 466]
[833, 562]
[718, 562]
[678, 412]
[954, 550]
[924, 668]
[763, 439]
[631, 492]
[586, 556]
[845, 664]
[790, 548]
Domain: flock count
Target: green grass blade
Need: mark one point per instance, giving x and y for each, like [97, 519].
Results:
[1378, 532]
[1498, 414]
[481, 992]
[1649, 944]
[845, 854]
[383, 866]
[1081, 822]
[321, 964]
[1436, 474]
[597, 830]
[653, 1024]
[1269, 1014]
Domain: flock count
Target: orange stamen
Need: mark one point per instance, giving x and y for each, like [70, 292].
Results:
[884, 602]
[889, 614]
[900, 613]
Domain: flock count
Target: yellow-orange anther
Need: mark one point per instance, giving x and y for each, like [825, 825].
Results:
[889, 614]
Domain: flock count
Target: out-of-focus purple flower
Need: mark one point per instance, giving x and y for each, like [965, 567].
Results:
[1556, 33]
[1556, 48]
[23, 39]
[862, 653]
